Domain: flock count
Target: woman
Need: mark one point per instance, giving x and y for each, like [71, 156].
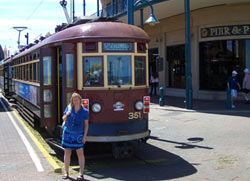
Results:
[154, 83]
[75, 131]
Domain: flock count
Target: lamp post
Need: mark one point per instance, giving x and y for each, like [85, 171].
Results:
[130, 10]
[189, 91]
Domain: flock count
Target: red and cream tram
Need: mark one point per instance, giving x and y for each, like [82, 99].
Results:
[106, 62]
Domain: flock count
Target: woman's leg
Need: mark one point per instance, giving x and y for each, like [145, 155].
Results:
[67, 155]
[81, 160]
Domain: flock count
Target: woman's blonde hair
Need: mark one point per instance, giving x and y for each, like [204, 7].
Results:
[71, 99]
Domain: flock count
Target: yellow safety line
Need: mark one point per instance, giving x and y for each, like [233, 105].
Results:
[53, 163]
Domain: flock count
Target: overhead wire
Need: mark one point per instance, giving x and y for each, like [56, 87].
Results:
[36, 8]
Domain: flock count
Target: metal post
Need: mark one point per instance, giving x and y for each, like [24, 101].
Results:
[84, 8]
[161, 100]
[98, 8]
[27, 38]
[229, 99]
[73, 14]
[189, 91]
[141, 11]
[130, 11]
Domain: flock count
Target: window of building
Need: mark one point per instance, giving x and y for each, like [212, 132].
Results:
[93, 71]
[176, 59]
[140, 72]
[219, 58]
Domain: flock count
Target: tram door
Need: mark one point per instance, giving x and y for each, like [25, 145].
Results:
[69, 79]
[47, 87]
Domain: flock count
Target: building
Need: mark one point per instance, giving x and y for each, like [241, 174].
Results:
[2, 56]
[220, 42]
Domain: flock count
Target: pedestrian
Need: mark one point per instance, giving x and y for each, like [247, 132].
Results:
[154, 84]
[246, 86]
[75, 131]
[232, 83]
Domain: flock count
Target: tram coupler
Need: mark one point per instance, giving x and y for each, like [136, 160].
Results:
[122, 150]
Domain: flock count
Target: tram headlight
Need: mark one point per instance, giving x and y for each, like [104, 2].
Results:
[96, 107]
[139, 105]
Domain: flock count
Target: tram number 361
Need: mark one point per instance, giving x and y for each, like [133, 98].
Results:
[134, 115]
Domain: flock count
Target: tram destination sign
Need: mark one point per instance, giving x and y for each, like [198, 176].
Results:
[232, 30]
[121, 47]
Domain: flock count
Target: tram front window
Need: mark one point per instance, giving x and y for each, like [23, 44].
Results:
[119, 70]
[93, 75]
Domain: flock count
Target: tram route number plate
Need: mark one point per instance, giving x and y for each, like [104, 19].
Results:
[134, 115]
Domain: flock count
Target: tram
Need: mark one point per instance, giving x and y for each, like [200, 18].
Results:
[6, 84]
[105, 62]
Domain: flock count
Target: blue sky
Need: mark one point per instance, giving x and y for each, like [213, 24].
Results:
[40, 16]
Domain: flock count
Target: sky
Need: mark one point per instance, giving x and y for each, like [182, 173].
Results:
[39, 16]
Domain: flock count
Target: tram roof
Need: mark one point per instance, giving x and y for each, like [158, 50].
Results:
[95, 30]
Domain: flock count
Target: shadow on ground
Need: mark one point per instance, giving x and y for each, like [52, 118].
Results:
[148, 163]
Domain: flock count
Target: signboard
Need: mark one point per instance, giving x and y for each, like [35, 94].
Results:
[232, 30]
[118, 47]
[28, 92]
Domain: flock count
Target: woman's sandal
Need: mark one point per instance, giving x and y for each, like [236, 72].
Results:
[80, 177]
[65, 176]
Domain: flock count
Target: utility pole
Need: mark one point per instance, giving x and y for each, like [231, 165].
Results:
[19, 29]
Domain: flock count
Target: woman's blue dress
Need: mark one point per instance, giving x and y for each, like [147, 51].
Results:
[73, 129]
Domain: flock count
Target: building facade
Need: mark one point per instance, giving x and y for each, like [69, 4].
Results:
[220, 43]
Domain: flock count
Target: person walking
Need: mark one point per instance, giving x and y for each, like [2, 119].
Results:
[75, 132]
[246, 86]
[232, 83]
[154, 84]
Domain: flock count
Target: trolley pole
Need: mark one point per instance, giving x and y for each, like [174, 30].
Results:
[189, 91]
[19, 29]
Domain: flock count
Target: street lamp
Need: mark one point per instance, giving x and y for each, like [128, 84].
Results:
[19, 29]
[130, 10]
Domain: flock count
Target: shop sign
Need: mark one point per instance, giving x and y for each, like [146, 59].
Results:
[232, 30]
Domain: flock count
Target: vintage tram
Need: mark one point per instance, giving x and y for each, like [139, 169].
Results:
[105, 62]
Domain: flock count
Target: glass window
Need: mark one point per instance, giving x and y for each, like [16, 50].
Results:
[218, 59]
[93, 74]
[70, 70]
[140, 73]
[30, 70]
[176, 59]
[47, 111]
[47, 70]
[47, 96]
[34, 72]
[119, 70]
[38, 71]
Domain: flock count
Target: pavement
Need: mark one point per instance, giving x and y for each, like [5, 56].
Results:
[211, 141]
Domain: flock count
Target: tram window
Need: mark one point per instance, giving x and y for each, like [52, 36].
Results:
[38, 71]
[70, 70]
[93, 74]
[90, 47]
[47, 111]
[30, 69]
[47, 70]
[119, 70]
[141, 47]
[34, 56]
[34, 71]
[47, 96]
[140, 72]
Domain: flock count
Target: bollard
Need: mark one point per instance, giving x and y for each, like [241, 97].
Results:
[229, 100]
[161, 100]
